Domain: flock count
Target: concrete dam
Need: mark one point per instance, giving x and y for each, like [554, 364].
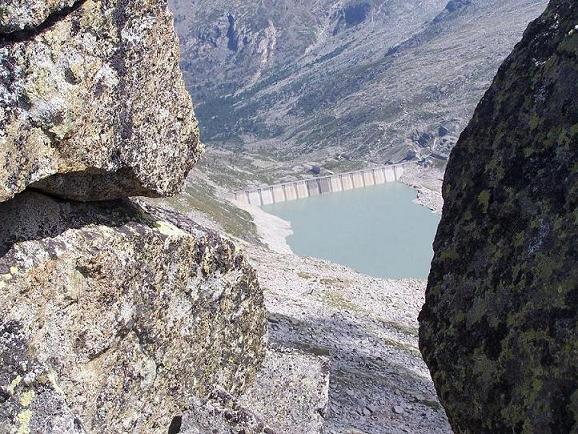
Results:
[321, 185]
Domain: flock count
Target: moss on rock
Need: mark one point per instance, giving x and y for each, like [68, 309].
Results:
[499, 330]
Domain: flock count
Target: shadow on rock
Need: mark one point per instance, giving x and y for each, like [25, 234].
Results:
[372, 384]
[34, 216]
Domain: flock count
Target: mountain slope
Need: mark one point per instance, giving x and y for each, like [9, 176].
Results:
[370, 79]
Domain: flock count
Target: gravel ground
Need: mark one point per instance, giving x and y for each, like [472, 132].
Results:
[367, 329]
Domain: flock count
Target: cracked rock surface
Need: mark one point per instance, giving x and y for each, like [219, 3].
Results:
[113, 317]
[92, 103]
[17, 15]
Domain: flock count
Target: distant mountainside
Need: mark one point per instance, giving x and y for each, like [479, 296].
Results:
[375, 80]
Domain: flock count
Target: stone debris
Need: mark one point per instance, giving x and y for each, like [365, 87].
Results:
[289, 396]
[366, 328]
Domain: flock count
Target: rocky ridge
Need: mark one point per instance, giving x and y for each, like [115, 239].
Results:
[499, 327]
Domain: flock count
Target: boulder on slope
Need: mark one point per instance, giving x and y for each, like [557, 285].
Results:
[93, 106]
[112, 317]
[499, 329]
[290, 396]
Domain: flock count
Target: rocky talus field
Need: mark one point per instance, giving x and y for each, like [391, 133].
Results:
[499, 327]
[365, 330]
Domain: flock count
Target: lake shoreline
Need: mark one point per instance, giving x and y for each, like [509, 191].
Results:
[378, 230]
[274, 231]
[427, 182]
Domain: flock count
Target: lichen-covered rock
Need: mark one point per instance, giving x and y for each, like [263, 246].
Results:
[499, 330]
[92, 105]
[112, 318]
[17, 15]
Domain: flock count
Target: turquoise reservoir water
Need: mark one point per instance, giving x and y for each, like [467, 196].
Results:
[376, 230]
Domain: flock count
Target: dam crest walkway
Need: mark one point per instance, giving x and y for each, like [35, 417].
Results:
[321, 185]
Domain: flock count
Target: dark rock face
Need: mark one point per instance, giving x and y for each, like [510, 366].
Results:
[352, 16]
[499, 330]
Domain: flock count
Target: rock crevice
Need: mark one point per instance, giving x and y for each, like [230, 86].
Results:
[30, 32]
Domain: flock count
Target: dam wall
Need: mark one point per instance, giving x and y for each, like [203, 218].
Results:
[322, 185]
